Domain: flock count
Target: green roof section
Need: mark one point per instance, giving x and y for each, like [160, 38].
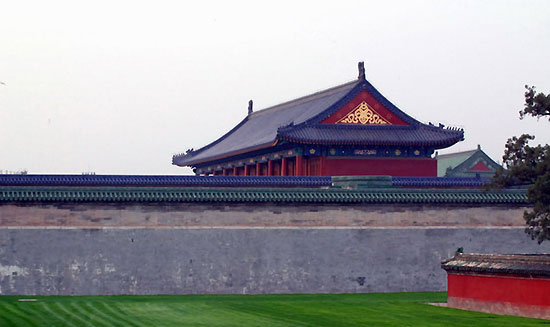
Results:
[460, 164]
[286, 195]
[451, 160]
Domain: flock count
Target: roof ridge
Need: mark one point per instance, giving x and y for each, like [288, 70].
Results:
[457, 153]
[306, 98]
[533, 258]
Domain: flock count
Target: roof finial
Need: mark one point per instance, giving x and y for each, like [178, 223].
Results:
[361, 66]
[250, 103]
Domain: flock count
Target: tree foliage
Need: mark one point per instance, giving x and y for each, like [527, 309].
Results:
[530, 166]
[536, 104]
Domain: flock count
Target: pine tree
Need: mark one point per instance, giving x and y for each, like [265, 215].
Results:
[530, 166]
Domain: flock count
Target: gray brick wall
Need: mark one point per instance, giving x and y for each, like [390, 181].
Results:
[125, 260]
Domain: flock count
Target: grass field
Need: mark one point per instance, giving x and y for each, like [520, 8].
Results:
[397, 309]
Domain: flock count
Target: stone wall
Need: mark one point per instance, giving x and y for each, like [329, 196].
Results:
[91, 248]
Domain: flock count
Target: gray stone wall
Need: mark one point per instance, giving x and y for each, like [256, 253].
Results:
[191, 260]
[190, 248]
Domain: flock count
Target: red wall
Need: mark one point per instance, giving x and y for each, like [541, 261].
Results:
[500, 289]
[392, 167]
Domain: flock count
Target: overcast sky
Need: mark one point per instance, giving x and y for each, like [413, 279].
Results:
[118, 87]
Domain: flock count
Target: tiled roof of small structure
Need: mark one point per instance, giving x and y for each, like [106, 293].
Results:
[300, 121]
[519, 264]
[476, 156]
[219, 181]
[462, 154]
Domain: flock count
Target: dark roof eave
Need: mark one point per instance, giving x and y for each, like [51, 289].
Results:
[481, 270]
[516, 264]
[222, 156]
[441, 144]
[196, 152]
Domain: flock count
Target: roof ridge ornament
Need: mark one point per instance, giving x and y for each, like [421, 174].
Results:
[361, 67]
[250, 104]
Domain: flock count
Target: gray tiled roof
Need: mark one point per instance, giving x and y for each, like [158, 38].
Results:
[519, 264]
[420, 135]
[260, 128]
[300, 121]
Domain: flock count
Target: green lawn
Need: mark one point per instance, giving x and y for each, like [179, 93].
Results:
[395, 309]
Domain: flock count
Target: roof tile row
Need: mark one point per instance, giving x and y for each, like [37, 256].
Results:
[217, 181]
[520, 264]
[420, 135]
[180, 194]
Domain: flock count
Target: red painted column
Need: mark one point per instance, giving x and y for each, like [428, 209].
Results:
[258, 169]
[283, 166]
[322, 166]
[299, 165]
[224, 172]
[235, 171]
[269, 168]
[246, 170]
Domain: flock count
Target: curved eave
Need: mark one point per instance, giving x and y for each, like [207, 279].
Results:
[328, 134]
[181, 162]
[181, 157]
[377, 142]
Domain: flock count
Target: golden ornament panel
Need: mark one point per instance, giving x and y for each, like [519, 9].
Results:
[363, 114]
